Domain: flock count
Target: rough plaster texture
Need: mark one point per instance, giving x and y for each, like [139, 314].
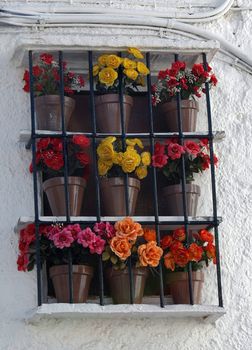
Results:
[231, 107]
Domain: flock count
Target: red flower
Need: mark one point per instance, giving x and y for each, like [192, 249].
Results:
[198, 69]
[26, 76]
[192, 147]
[83, 158]
[163, 74]
[159, 149]
[181, 256]
[53, 160]
[179, 234]
[175, 150]
[81, 140]
[213, 80]
[179, 65]
[166, 242]
[175, 245]
[172, 82]
[22, 262]
[36, 71]
[43, 143]
[211, 253]
[206, 236]
[57, 144]
[203, 142]
[26, 88]
[159, 160]
[195, 252]
[46, 58]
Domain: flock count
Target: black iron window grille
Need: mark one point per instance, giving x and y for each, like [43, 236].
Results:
[151, 135]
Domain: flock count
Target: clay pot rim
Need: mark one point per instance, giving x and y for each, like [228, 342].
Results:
[59, 180]
[119, 181]
[183, 276]
[190, 188]
[138, 271]
[54, 97]
[113, 98]
[171, 105]
[77, 269]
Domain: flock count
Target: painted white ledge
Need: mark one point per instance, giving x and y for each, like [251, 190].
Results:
[207, 313]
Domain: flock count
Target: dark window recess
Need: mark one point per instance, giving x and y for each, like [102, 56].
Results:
[145, 126]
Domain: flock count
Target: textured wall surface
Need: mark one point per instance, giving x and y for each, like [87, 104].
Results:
[231, 106]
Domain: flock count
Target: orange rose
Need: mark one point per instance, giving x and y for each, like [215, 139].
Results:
[195, 252]
[206, 236]
[149, 254]
[169, 261]
[175, 245]
[166, 241]
[127, 228]
[181, 257]
[179, 234]
[149, 234]
[121, 247]
[211, 253]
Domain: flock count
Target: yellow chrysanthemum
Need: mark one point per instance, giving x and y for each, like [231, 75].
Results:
[142, 69]
[133, 142]
[131, 73]
[104, 167]
[131, 160]
[96, 70]
[129, 64]
[118, 158]
[146, 158]
[141, 172]
[102, 60]
[108, 76]
[105, 151]
[135, 52]
[113, 61]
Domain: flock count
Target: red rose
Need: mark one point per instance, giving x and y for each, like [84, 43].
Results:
[198, 69]
[53, 160]
[192, 147]
[46, 58]
[83, 158]
[181, 257]
[179, 234]
[159, 160]
[43, 143]
[57, 144]
[175, 150]
[81, 140]
[163, 74]
[166, 242]
[179, 65]
[159, 149]
[206, 236]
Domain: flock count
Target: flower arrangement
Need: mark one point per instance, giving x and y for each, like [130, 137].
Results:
[179, 78]
[46, 77]
[107, 69]
[112, 161]
[177, 254]
[50, 160]
[55, 243]
[127, 238]
[167, 156]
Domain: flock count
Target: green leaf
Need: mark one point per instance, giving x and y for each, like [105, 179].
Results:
[113, 259]
[105, 256]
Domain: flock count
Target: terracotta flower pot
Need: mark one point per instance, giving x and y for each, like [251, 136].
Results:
[108, 115]
[120, 286]
[172, 200]
[189, 111]
[82, 276]
[179, 286]
[48, 112]
[55, 191]
[113, 195]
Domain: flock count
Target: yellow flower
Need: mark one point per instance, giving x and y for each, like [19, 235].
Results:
[135, 52]
[102, 60]
[113, 61]
[141, 172]
[109, 139]
[131, 160]
[142, 69]
[133, 142]
[146, 158]
[108, 76]
[103, 167]
[118, 158]
[129, 64]
[96, 69]
[105, 151]
[131, 73]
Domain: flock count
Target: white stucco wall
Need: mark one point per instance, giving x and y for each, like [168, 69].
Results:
[231, 107]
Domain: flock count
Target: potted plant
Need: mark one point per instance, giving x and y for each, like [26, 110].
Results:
[167, 156]
[50, 161]
[190, 83]
[124, 240]
[106, 73]
[177, 255]
[56, 241]
[46, 87]
[113, 163]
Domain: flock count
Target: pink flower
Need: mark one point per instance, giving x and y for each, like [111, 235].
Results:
[104, 229]
[53, 230]
[97, 246]
[75, 229]
[159, 160]
[192, 147]
[63, 239]
[86, 237]
[158, 148]
[175, 151]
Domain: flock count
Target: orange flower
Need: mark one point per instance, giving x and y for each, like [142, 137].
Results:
[169, 261]
[149, 234]
[211, 253]
[127, 228]
[206, 236]
[181, 257]
[166, 241]
[149, 254]
[179, 234]
[175, 245]
[195, 252]
[121, 247]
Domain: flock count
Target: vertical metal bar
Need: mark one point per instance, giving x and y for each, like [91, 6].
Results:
[97, 183]
[65, 156]
[213, 183]
[126, 179]
[35, 184]
[181, 141]
[154, 178]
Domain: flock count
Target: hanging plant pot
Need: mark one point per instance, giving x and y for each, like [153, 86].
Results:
[189, 111]
[108, 114]
[82, 275]
[120, 285]
[48, 112]
[113, 195]
[172, 199]
[179, 286]
[55, 191]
